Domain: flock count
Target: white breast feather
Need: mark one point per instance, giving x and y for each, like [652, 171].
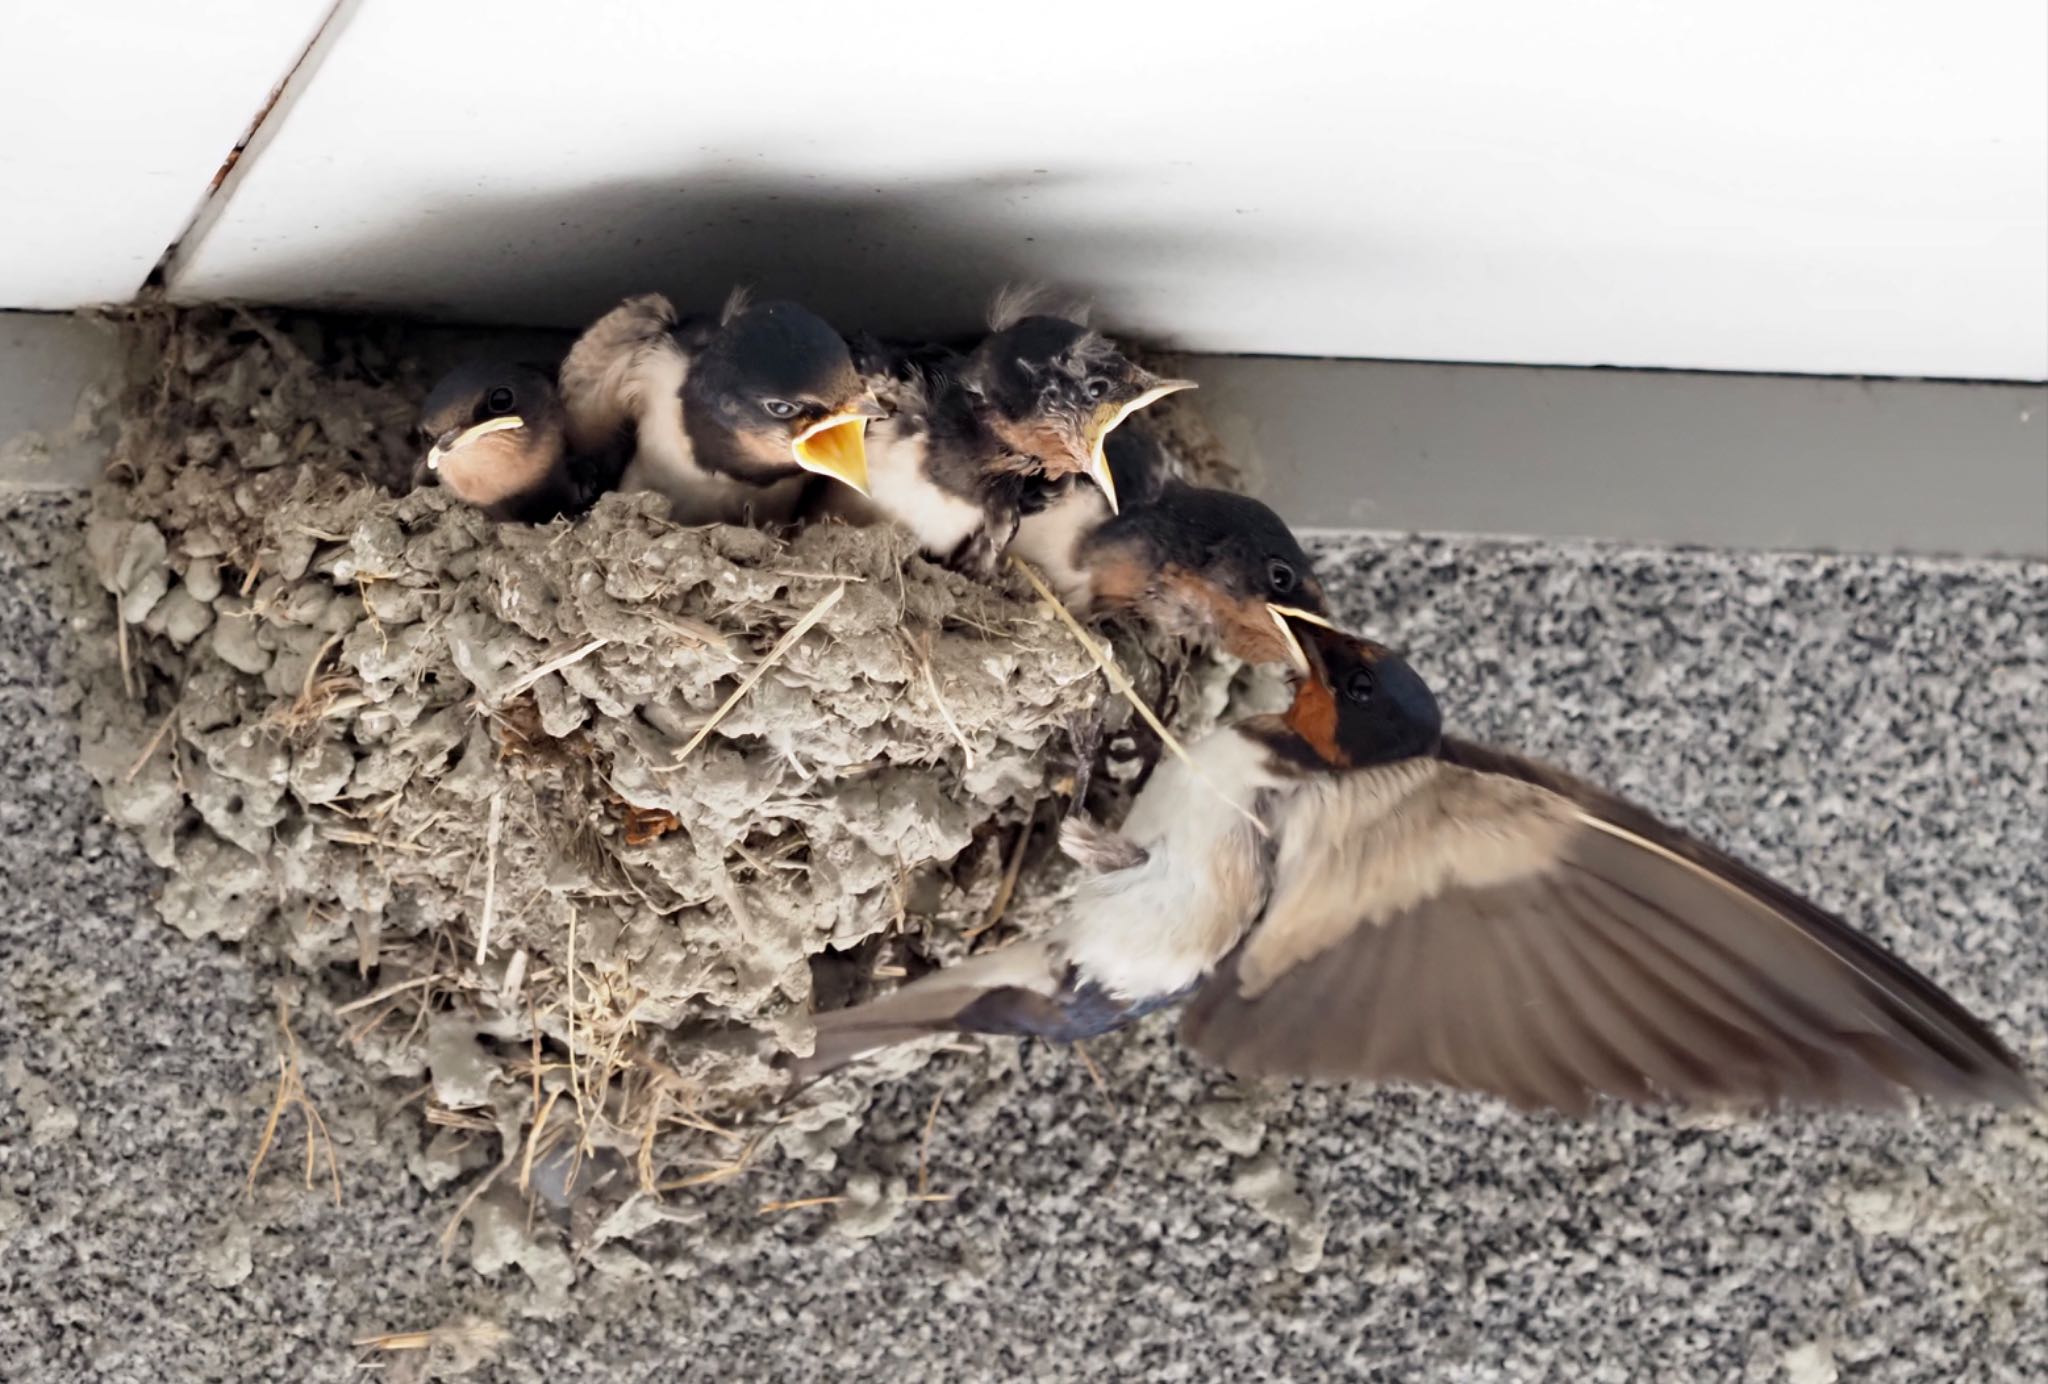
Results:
[1157, 928]
[1050, 540]
[940, 520]
[662, 457]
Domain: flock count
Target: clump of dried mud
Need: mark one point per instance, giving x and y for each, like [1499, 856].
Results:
[473, 780]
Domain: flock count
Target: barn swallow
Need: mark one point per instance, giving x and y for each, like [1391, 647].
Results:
[1052, 388]
[1200, 563]
[1434, 911]
[971, 433]
[497, 438]
[935, 469]
[728, 416]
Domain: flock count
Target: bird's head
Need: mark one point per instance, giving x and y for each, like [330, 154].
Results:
[1356, 703]
[1209, 564]
[492, 429]
[1054, 390]
[781, 383]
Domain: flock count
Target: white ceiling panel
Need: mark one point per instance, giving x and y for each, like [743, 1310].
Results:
[114, 117]
[1836, 186]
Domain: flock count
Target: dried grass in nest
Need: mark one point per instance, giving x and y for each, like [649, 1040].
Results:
[559, 818]
[452, 1349]
[291, 1095]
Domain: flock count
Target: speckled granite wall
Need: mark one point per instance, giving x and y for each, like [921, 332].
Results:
[1871, 730]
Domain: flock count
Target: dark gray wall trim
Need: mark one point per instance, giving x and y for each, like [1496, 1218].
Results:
[1732, 461]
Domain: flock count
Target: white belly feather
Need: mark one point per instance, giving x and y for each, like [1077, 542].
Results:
[1050, 540]
[940, 520]
[1158, 927]
[664, 461]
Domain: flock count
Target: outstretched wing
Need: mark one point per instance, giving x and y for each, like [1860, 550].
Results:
[1481, 922]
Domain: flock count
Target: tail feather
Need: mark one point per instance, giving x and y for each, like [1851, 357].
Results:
[842, 1047]
[927, 1006]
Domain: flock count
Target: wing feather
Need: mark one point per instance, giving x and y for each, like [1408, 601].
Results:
[1488, 924]
[617, 367]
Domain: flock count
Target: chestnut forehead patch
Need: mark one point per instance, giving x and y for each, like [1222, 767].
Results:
[1120, 575]
[1042, 440]
[1313, 716]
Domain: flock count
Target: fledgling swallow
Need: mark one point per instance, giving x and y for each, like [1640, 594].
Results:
[497, 436]
[1434, 911]
[970, 434]
[729, 416]
[935, 469]
[1052, 388]
[1206, 565]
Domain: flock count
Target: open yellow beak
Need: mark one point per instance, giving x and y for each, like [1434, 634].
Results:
[1105, 422]
[1297, 657]
[836, 447]
[440, 450]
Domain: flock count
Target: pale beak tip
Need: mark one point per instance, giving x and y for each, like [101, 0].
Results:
[1098, 471]
[1297, 657]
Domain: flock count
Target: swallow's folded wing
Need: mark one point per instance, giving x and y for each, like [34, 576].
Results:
[1481, 922]
[627, 358]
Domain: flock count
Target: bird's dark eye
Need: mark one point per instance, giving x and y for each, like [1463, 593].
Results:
[1097, 387]
[500, 401]
[779, 408]
[1280, 577]
[1359, 684]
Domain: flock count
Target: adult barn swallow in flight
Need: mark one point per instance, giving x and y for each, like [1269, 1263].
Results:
[497, 438]
[1207, 565]
[1434, 911]
[727, 417]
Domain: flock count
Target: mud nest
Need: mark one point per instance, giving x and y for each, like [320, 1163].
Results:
[570, 823]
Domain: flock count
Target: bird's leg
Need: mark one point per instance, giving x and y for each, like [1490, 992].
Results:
[1097, 849]
[1092, 846]
[1084, 733]
[1003, 523]
[979, 555]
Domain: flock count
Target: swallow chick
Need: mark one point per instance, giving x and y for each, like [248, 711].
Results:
[1433, 911]
[728, 417]
[1206, 565]
[935, 470]
[971, 434]
[1054, 390]
[498, 438]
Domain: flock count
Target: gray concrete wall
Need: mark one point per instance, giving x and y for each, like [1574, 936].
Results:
[52, 369]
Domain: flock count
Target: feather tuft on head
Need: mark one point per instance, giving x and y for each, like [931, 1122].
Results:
[736, 302]
[1015, 302]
